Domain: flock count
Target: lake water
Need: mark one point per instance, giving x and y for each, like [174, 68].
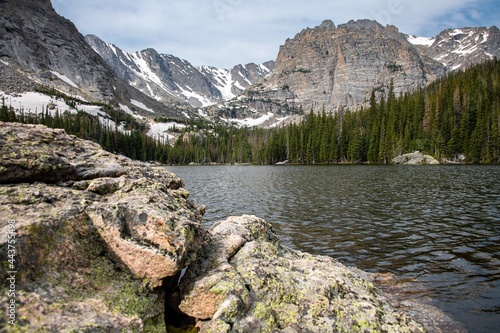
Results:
[437, 227]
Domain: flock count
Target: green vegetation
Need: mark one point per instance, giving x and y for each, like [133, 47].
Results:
[455, 116]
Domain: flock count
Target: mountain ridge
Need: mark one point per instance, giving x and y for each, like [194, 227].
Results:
[326, 67]
[461, 47]
[40, 47]
[162, 75]
[336, 68]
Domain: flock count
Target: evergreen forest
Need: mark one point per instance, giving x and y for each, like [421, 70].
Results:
[454, 119]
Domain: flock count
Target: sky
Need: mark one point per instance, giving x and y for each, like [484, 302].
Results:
[224, 33]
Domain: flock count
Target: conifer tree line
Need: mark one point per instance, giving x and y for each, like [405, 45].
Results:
[132, 141]
[457, 117]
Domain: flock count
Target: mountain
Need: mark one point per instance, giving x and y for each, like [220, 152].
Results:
[39, 47]
[336, 68]
[460, 48]
[162, 76]
[330, 67]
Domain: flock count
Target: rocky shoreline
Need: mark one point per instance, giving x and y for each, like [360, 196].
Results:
[107, 244]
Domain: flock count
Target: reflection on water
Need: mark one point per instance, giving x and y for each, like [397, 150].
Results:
[436, 225]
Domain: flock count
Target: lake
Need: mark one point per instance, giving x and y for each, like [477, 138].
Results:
[435, 227]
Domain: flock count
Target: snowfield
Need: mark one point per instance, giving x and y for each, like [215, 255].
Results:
[141, 106]
[426, 41]
[161, 131]
[65, 79]
[250, 122]
[34, 102]
[127, 110]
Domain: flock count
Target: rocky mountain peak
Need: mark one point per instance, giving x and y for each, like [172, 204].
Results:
[162, 76]
[331, 67]
[336, 68]
[46, 46]
[339, 68]
[363, 24]
[327, 24]
[462, 47]
[40, 47]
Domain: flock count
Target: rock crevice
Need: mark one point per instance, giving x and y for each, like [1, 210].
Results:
[248, 282]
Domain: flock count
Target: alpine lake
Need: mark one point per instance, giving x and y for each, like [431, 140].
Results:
[432, 231]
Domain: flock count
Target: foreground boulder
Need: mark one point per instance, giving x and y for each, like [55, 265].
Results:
[98, 236]
[106, 244]
[245, 281]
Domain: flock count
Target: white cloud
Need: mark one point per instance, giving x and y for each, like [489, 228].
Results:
[227, 32]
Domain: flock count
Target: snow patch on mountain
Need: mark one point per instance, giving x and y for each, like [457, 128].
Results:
[194, 98]
[37, 103]
[144, 70]
[141, 105]
[164, 76]
[165, 132]
[33, 102]
[222, 79]
[127, 110]
[459, 48]
[252, 122]
[426, 41]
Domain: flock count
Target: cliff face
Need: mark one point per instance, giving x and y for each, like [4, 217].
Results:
[338, 67]
[38, 46]
[47, 46]
[347, 62]
[104, 243]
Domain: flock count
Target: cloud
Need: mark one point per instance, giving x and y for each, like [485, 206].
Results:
[227, 32]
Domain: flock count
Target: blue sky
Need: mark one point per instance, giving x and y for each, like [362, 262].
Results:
[224, 33]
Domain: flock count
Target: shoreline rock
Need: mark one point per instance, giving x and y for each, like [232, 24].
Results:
[415, 158]
[108, 244]
[246, 281]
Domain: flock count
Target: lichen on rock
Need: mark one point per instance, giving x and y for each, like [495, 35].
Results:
[262, 286]
[98, 235]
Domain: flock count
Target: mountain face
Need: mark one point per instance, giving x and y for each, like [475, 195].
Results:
[460, 48]
[328, 67]
[37, 46]
[336, 68]
[162, 76]
[45, 46]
